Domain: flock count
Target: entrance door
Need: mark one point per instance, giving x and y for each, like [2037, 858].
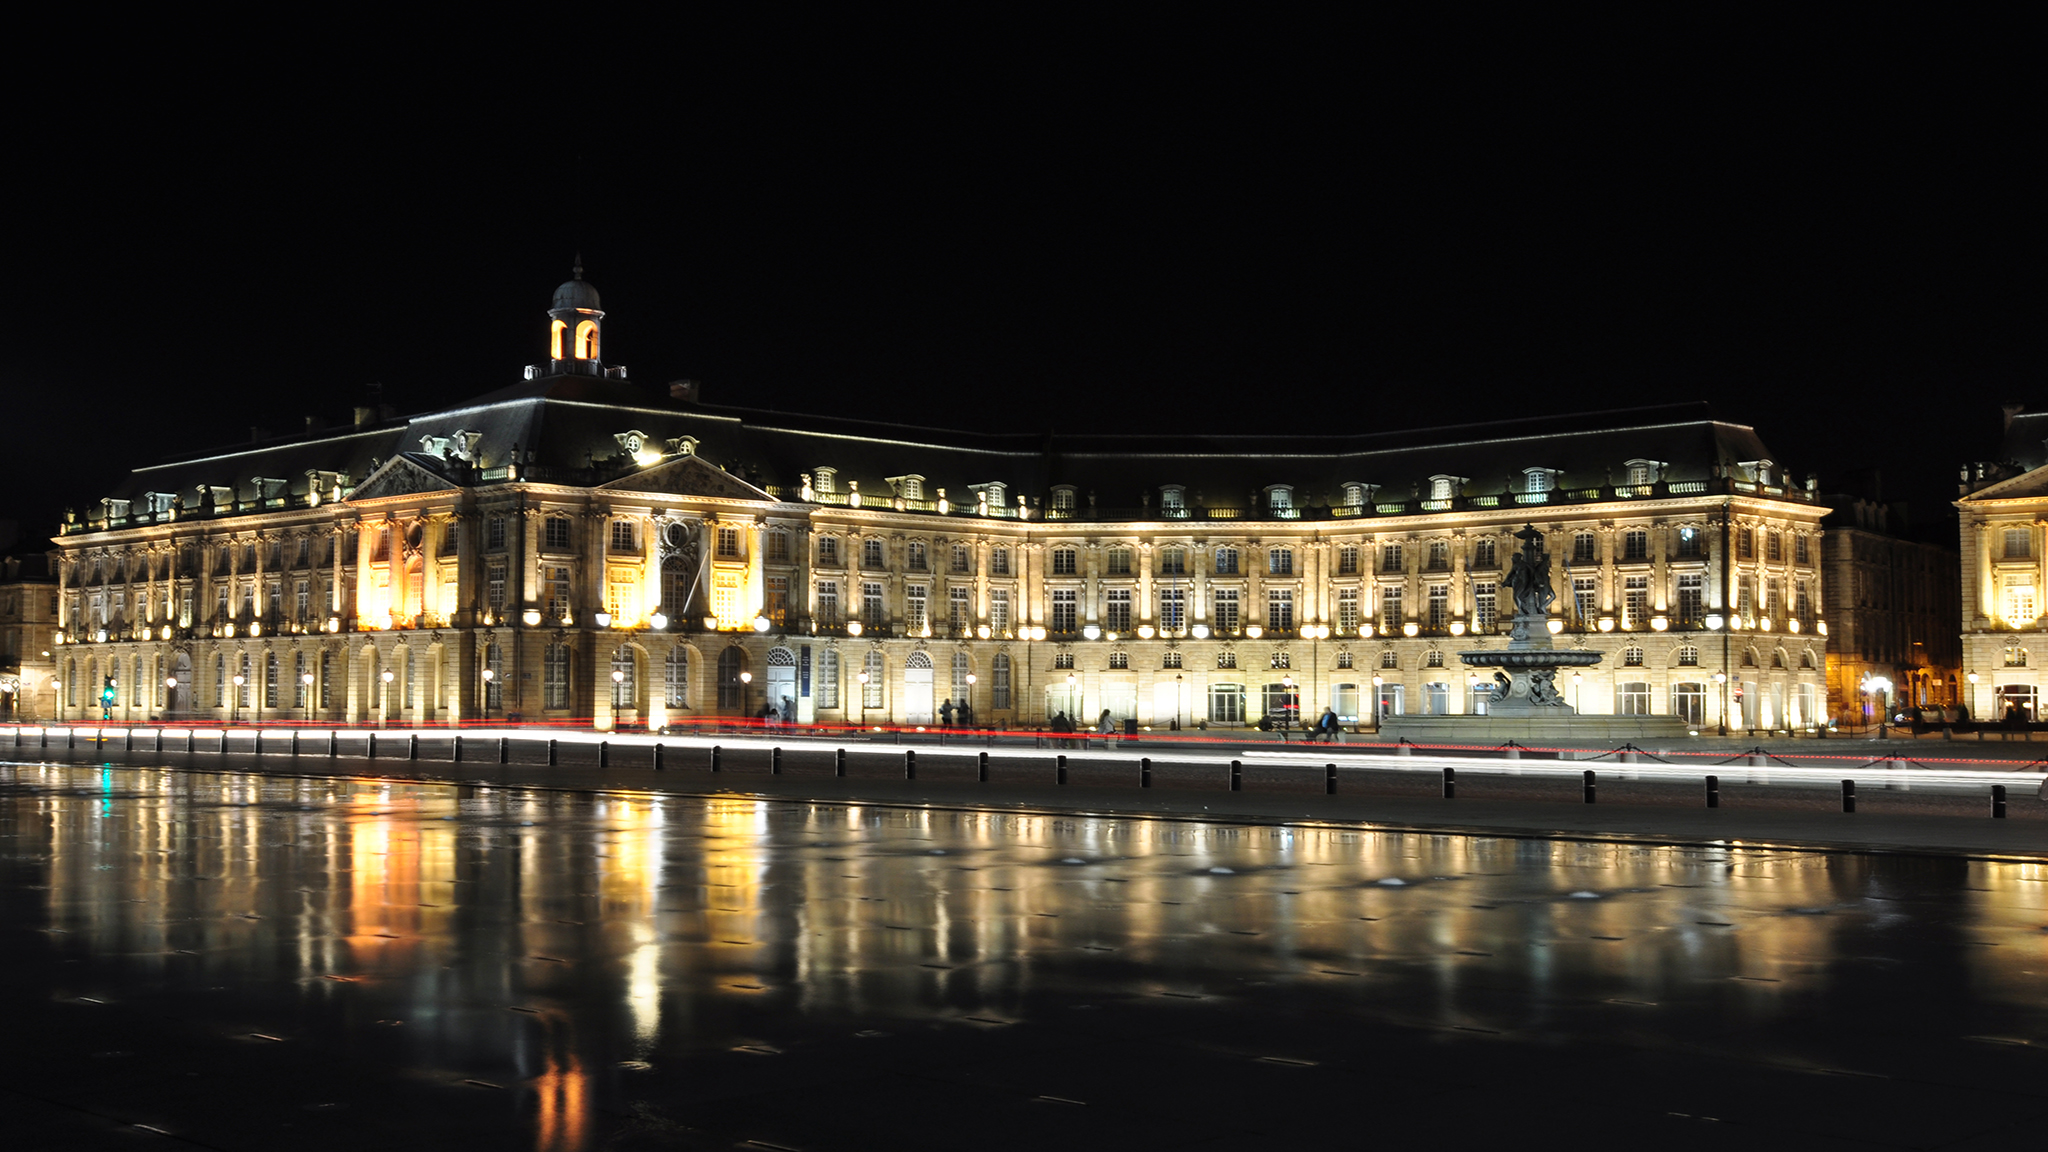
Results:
[782, 683]
[917, 689]
[178, 700]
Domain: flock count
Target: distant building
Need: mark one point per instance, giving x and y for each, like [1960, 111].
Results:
[28, 636]
[577, 547]
[1890, 612]
[2004, 543]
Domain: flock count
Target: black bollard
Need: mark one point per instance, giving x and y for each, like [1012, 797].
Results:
[1450, 783]
[223, 741]
[333, 745]
[189, 737]
[370, 747]
[412, 745]
[295, 743]
[604, 753]
[1590, 785]
[1329, 779]
[775, 761]
[46, 736]
[1062, 778]
[658, 766]
[504, 749]
[554, 753]
[1998, 801]
[910, 764]
[1236, 776]
[981, 768]
[839, 762]
[259, 742]
[714, 757]
[455, 755]
[1144, 771]
[71, 737]
[128, 741]
[159, 739]
[1713, 791]
[1848, 795]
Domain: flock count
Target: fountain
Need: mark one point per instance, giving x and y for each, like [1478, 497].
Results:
[1527, 701]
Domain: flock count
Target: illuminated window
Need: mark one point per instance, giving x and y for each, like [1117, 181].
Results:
[555, 585]
[999, 561]
[555, 332]
[1226, 561]
[826, 687]
[999, 681]
[1223, 611]
[555, 677]
[1063, 562]
[1116, 609]
[557, 534]
[1117, 561]
[1063, 619]
[586, 340]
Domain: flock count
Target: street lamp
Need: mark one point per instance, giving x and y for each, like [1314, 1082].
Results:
[1180, 699]
[306, 681]
[1378, 706]
[384, 697]
[488, 677]
[1289, 708]
[235, 705]
[1721, 678]
[863, 678]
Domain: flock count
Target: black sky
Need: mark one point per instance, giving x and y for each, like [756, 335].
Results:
[1024, 219]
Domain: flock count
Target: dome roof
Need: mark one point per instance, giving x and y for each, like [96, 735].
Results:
[576, 293]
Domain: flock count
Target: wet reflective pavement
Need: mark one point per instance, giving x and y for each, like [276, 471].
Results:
[250, 962]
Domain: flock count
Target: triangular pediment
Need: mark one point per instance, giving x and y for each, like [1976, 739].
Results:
[2034, 483]
[688, 476]
[401, 476]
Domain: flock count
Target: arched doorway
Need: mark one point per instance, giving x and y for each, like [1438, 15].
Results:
[178, 697]
[782, 683]
[917, 688]
[732, 695]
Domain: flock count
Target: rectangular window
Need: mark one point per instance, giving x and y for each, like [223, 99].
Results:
[1063, 600]
[775, 599]
[999, 681]
[1745, 543]
[1391, 612]
[1116, 610]
[1439, 555]
[1774, 545]
[1223, 614]
[914, 556]
[778, 547]
[1799, 554]
[2018, 543]
[828, 604]
[1226, 703]
[1390, 558]
[1484, 553]
[494, 589]
[728, 543]
[959, 609]
[1585, 548]
[1173, 608]
[1804, 608]
[494, 533]
[1586, 598]
[1347, 611]
[1280, 562]
[828, 551]
[1226, 562]
[555, 586]
[1632, 699]
[999, 611]
[623, 537]
[1485, 602]
[555, 676]
[1635, 544]
[871, 553]
[999, 561]
[871, 611]
[1439, 606]
[1692, 600]
[1117, 561]
[1636, 602]
[826, 687]
[914, 610]
[1745, 597]
[963, 560]
[1063, 562]
[1347, 560]
[1173, 561]
[557, 534]
[1280, 609]
[1690, 543]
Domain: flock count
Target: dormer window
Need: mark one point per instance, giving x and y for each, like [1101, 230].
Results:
[988, 498]
[1445, 487]
[1644, 471]
[1063, 498]
[1173, 500]
[1759, 470]
[825, 481]
[1280, 498]
[908, 487]
[1356, 494]
[1539, 480]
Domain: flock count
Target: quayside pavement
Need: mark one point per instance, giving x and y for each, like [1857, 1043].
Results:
[1922, 797]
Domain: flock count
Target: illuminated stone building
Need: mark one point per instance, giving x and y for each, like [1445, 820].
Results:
[28, 633]
[2004, 543]
[1891, 617]
[580, 547]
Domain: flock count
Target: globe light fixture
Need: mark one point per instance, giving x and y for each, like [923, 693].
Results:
[256, 628]
[983, 632]
[1144, 631]
[745, 677]
[388, 676]
[1253, 631]
[760, 623]
[1092, 632]
[1199, 631]
[1554, 624]
[601, 619]
[1714, 621]
[658, 622]
[532, 617]
[1607, 623]
[1457, 627]
[853, 627]
[1659, 623]
[619, 675]
[1411, 629]
[170, 681]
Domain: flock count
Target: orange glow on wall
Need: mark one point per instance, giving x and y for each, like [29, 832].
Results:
[586, 340]
[555, 339]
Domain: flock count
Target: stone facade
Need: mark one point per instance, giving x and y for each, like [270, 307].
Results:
[623, 556]
[28, 634]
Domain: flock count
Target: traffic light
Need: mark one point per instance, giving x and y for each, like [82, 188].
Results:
[107, 693]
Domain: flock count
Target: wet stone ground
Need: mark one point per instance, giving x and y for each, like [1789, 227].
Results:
[235, 961]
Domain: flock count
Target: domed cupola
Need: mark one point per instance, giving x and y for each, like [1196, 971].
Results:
[576, 326]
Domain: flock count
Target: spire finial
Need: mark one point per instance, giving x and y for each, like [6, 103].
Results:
[579, 266]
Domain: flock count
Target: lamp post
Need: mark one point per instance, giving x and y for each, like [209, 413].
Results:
[170, 695]
[1721, 678]
[746, 678]
[1288, 707]
[384, 697]
[863, 678]
[235, 703]
[1180, 699]
[306, 712]
[1970, 693]
[1378, 708]
[618, 678]
[489, 676]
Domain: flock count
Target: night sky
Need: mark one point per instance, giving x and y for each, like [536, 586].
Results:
[1022, 222]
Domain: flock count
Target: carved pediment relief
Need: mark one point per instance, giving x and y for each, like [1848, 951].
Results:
[688, 476]
[400, 476]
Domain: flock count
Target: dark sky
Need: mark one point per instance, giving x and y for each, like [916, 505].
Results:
[1023, 222]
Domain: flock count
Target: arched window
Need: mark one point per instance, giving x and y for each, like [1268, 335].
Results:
[623, 687]
[220, 680]
[494, 684]
[1435, 659]
[242, 689]
[877, 670]
[825, 689]
[1688, 656]
[326, 680]
[731, 691]
[1632, 656]
[555, 332]
[999, 681]
[676, 677]
[555, 677]
[1390, 659]
[963, 667]
[135, 685]
[298, 679]
[586, 340]
[270, 677]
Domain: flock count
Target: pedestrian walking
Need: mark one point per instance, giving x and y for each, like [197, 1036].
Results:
[946, 713]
